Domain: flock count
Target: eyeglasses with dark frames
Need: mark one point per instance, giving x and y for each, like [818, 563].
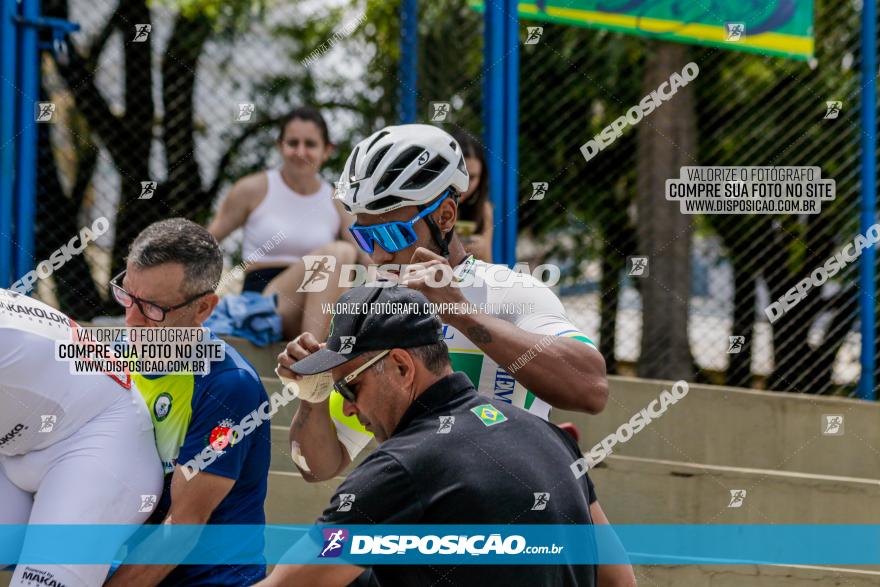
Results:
[151, 310]
[343, 385]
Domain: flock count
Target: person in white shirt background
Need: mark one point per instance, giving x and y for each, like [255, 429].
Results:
[293, 205]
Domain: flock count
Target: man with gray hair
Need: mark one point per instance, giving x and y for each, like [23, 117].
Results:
[213, 475]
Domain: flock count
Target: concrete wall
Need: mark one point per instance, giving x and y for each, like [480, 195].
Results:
[741, 428]
[636, 490]
[647, 491]
[729, 427]
[752, 576]
[639, 490]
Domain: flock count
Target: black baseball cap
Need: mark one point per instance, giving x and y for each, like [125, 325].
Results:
[378, 316]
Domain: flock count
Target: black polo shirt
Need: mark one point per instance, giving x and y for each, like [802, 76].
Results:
[485, 469]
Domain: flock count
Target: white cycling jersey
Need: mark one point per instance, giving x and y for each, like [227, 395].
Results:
[74, 448]
[41, 403]
[496, 290]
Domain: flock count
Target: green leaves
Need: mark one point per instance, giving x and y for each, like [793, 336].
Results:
[224, 14]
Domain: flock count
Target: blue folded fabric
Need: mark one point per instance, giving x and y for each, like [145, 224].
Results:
[250, 316]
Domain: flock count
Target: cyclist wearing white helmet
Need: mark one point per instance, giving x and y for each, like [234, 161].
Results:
[402, 183]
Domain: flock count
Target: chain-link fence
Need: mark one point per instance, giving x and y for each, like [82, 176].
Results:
[745, 110]
[161, 106]
[164, 109]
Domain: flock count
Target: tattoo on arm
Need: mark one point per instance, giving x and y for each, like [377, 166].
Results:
[479, 335]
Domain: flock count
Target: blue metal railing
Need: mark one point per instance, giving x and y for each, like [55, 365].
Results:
[19, 93]
[501, 120]
[26, 141]
[867, 283]
[8, 100]
[493, 109]
[511, 132]
[409, 39]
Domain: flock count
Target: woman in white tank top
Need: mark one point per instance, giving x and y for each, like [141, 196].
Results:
[288, 215]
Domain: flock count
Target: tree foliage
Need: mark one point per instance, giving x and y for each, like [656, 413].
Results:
[750, 110]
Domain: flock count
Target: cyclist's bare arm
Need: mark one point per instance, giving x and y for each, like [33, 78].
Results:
[566, 374]
[312, 428]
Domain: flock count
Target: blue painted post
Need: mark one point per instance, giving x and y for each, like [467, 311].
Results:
[8, 45]
[493, 116]
[867, 289]
[511, 132]
[409, 43]
[26, 173]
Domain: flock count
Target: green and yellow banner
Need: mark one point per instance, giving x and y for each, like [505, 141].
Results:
[771, 27]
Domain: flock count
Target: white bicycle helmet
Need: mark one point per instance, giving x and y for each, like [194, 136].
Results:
[406, 165]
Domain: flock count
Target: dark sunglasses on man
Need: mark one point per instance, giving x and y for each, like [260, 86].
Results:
[343, 386]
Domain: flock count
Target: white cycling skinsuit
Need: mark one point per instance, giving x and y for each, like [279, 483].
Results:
[498, 291]
[74, 448]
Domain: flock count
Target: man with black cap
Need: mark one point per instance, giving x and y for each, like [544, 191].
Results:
[435, 436]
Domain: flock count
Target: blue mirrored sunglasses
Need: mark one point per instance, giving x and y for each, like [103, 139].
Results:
[391, 236]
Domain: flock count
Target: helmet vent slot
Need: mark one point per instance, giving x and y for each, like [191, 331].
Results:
[352, 162]
[426, 174]
[394, 170]
[377, 158]
[377, 139]
[383, 203]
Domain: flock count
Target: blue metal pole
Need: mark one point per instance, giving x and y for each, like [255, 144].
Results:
[511, 131]
[867, 290]
[409, 43]
[493, 116]
[26, 174]
[8, 100]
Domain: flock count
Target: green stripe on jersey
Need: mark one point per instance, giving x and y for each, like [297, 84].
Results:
[578, 336]
[470, 363]
[169, 399]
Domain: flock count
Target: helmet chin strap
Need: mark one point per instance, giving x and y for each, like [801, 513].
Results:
[441, 241]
